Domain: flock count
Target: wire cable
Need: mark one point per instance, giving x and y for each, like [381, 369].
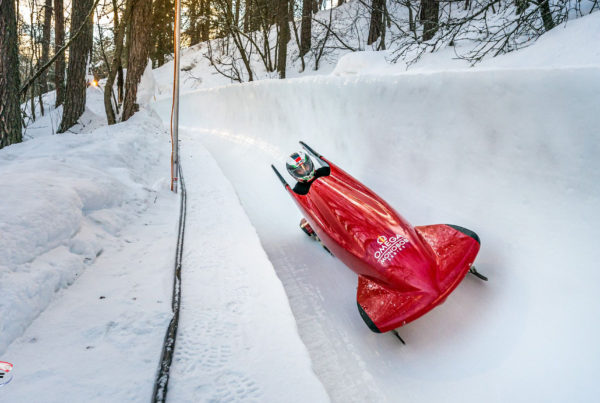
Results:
[159, 394]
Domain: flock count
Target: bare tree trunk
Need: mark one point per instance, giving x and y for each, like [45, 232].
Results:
[138, 54]
[161, 34]
[546, 14]
[79, 52]
[412, 26]
[376, 25]
[247, 8]
[10, 111]
[284, 36]
[237, 13]
[306, 28]
[119, 60]
[59, 41]
[116, 64]
[430, 10]
[33, 53]
[46, 44]
[193, 31]
[32, 99]
[206, 20]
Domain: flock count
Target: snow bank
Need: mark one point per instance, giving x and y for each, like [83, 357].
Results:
[363, 63]
[62, 196]
[567, 45]
[571, 44]
[237, 338]
[147, 86]
[511, 154]
[101, 339]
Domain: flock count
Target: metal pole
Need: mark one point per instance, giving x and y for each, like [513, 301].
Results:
[175, 112]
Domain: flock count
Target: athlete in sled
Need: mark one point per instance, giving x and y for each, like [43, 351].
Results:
[403, 271]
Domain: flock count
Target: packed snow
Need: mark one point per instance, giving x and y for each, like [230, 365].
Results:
[237, 338]
[508, 149]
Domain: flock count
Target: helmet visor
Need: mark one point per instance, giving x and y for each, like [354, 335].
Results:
[304, 169]
[300, 166]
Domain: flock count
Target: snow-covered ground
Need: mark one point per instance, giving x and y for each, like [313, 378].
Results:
[237, 338]
[85, 260]
[508, 149]
[88, 227]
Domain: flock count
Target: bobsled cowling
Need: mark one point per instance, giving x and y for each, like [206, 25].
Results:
[403, 271]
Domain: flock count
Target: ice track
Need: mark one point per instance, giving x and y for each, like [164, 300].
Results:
[511, 154]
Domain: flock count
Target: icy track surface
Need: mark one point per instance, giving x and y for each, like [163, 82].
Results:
[512, 155]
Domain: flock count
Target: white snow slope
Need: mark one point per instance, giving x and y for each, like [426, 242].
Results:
[87, 226]
[511, 154]
[88, 235]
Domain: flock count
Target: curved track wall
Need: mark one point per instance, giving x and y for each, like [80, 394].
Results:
[510, 154]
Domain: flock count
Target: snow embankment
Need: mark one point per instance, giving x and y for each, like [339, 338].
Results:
[570, 44]
[63, 198]
[511, 154]
[237, 338]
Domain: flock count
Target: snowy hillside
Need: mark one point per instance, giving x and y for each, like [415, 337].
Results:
[509, 148]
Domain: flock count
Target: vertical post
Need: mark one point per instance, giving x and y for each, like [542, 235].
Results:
[175, 110]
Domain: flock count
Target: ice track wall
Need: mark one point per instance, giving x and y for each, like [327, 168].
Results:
[496, 140]
[510, 154]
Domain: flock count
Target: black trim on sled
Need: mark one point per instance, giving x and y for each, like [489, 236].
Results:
[366, 318]
[283, 182]
[310, 150]
[467, 232]
[302, 188]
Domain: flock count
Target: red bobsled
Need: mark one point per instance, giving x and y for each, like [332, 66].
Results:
[403, 271]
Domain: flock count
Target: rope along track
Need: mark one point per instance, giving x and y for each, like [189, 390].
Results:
[162, 379]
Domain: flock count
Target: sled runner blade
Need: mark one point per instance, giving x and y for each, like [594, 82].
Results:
[480, 276]
[398, 336]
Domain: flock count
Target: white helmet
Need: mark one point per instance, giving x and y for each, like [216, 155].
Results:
[300, 166]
